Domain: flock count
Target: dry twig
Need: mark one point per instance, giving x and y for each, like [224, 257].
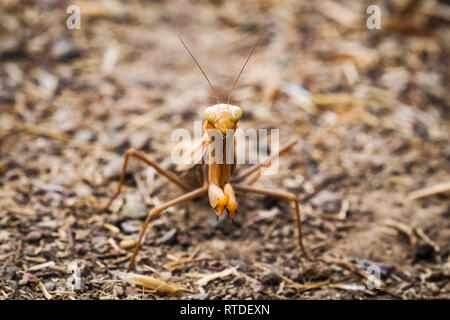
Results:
[430, 191]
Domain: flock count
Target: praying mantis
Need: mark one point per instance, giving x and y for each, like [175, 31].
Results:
[218, 181]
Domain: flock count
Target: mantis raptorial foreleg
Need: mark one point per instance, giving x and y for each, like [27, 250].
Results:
[284, 195]
[164, 172]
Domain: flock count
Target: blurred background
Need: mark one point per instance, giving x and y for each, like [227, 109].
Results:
[368, 106]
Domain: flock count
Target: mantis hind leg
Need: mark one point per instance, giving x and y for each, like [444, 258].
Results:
[284, 195]
[156, 211]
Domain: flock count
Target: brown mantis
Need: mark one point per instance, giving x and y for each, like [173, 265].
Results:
[218, 182]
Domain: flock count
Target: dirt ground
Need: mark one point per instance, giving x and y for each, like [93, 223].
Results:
[369, 108]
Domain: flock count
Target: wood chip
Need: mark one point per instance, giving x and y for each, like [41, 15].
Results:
[35, 259]
[291, 283]
[339, 13]
[6, 255]
[47, 295]
[218, 275]
[113, 244]
[42, 266]
[426, 239]
[127, 243]
[403, 228]
[175, 265]
[430, 191]
[150, 283]
[353, 287]
[112, 228]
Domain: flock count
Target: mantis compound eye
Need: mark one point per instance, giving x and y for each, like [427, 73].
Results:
[236, 113]
[210, 114]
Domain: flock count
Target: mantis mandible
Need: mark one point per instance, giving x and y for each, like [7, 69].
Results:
[218, 182]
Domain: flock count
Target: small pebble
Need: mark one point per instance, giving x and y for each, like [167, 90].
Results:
[130, 226]
[27, 278]
[127, 243]
[82, 190]
[132, 291]
[119, 290]
[239, 281]
[200, 296]
[138, 139]
[50, 224]
[134, 207]
[84, 135]
[168, 238]
[98, 242]
[33, 235]
[328, 202]
[50, 286]
[63, 49]
[271, 279]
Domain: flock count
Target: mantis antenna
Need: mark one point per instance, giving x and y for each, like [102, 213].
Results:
[243, 67]
[198, 65]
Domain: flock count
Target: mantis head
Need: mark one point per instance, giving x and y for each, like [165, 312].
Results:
[223, 116]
